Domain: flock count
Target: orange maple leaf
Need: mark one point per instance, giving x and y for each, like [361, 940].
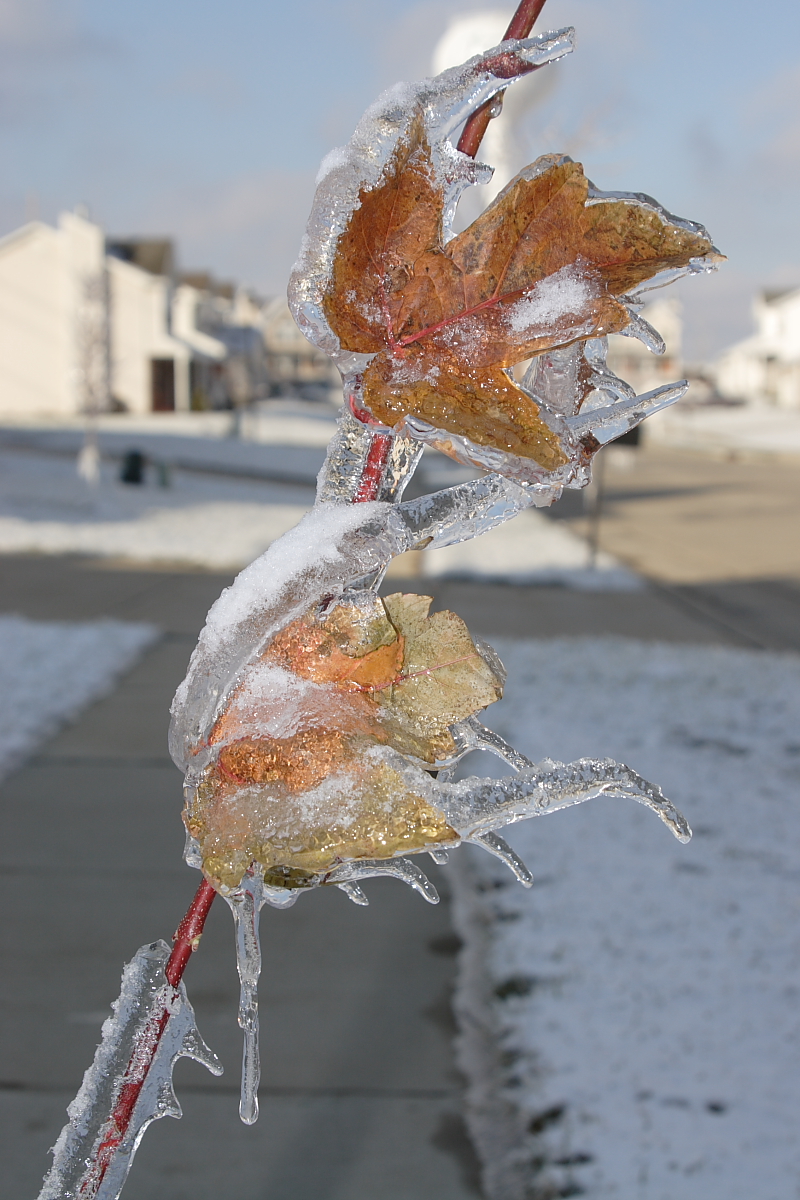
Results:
[542, 267]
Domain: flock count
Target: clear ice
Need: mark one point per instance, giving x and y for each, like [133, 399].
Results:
[81, 1169]
[245, 903]
[336, 558]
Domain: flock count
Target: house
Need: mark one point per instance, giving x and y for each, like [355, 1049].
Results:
[233, 316]
[295, 366]
[158, 355]
[765, 368]
[89, 325]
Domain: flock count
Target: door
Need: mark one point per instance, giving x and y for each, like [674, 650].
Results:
[162, 378]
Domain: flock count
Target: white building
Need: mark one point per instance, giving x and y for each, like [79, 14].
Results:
[82, 329]
[295, 365]
[765, 368]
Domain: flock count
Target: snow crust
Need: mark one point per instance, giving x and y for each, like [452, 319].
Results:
[568, 292]
[639, 1004]
[316, 539]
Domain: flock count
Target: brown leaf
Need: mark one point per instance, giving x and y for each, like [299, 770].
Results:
[483, 403]
[392, 225]
[444, 679]
[319, 795]
[541, 268]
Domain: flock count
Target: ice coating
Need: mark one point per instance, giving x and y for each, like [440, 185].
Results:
[320, 725]
[347, 458]
[146, 1001]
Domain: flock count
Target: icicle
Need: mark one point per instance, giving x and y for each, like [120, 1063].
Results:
[464, 511]
[644, 332]
[94, 1151]
[476, 736]
[397, 868]
[500, 848]
[246, 903]
[354, 893]
[478, 806]
[611, 422]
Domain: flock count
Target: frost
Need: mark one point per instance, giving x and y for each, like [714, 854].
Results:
[274, 701]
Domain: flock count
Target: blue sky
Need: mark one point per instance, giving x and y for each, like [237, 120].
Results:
[208, 122]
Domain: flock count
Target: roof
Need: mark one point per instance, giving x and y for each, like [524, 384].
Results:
[154, 255]
[772, 295]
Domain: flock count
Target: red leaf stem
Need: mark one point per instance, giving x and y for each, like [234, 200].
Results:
[521, 24]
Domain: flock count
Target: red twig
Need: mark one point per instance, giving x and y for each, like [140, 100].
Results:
[374, 466]
[189, 932]
[521, 24]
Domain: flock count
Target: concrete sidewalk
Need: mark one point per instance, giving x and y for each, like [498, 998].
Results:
[691, 519]
[360, 1097]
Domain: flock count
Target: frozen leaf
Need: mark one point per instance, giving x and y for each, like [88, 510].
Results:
[544, 266]
[306, 768]
[444, 678]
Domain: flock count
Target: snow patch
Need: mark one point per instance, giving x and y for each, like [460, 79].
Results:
[50, 671]
[314, 540]
[641, 1034]
[338, 157]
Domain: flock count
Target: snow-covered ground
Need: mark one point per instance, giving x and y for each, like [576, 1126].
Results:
[286, 422]
[206, 520]
[630, 1027]
[211, 516]
[531, 549]
[50, 670]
